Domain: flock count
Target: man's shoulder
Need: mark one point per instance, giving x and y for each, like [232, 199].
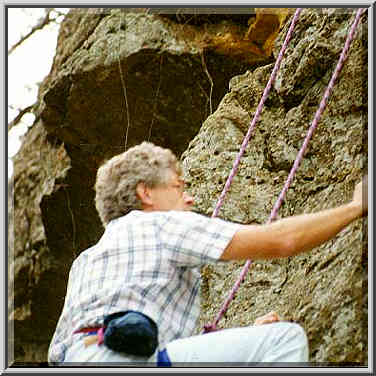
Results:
[139, 219]
[158, 215]
[180, 215]
[83, 255]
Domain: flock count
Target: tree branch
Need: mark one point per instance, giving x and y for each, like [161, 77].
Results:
[17, 119]
[39, 26]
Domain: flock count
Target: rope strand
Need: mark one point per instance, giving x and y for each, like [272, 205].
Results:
[343, 56]
[211, 327]
[257, 113]
[124, 88]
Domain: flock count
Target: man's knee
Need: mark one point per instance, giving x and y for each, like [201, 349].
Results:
[299, 337]
[297, 331]
[300, 332]
[296, 327]
[293, 342]
[289, 332]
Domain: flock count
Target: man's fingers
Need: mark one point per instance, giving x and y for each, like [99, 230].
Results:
[273, 316]
[365, 193]
[267, 319]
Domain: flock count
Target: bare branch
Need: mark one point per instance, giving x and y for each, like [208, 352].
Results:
[46, 20]
[59, 14]
[17, 119]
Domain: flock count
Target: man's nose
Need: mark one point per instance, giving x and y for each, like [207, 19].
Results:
[188, 199]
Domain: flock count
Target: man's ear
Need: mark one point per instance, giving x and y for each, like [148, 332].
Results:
[143, 193]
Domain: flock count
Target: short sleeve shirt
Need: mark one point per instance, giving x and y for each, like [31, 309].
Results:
[147, 262]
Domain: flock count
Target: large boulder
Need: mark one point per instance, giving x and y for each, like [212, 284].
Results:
[119, 76]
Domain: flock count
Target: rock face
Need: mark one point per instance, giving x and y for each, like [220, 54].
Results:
[326, 290]
[191, 82]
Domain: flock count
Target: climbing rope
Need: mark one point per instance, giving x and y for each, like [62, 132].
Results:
[343, 56]
[257, 113]
[122, 80]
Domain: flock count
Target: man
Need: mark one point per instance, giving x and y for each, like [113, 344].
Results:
[147, 262]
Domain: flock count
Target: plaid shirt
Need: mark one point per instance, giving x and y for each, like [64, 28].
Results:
[147, 262]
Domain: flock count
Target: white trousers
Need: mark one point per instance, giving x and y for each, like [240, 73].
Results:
[268, 345]
[263, 345]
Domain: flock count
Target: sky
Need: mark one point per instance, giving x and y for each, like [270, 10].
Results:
[28, 65]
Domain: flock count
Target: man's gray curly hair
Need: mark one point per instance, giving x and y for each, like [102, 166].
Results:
[117, 178]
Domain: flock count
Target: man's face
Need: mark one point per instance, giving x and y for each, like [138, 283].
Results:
[171, 196]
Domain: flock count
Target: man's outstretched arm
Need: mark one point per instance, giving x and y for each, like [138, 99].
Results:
[293, 235]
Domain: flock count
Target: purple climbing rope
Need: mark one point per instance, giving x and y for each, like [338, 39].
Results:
[350, 37]
[235, 167]
[257, 113]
